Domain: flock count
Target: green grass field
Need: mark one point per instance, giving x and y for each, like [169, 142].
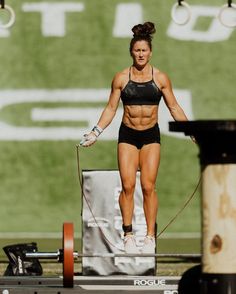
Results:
[39, 187]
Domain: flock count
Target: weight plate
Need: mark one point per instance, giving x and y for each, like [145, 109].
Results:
[68, 255]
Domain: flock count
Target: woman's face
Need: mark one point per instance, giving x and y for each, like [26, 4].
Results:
[141, 53]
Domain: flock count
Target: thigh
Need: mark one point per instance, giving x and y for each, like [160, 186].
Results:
[149, 162]
[128, 162]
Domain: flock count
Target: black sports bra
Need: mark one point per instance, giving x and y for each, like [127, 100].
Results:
[145, 93]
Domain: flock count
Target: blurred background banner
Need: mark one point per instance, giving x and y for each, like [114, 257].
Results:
[106, 224]
[56, 67]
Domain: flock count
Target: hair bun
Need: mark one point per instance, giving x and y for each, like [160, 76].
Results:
[144, 30]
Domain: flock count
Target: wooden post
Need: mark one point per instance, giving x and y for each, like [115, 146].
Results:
[217, 144]
[219, 219]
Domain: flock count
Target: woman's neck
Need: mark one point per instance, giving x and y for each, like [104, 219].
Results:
[141, 74]
[141, 71]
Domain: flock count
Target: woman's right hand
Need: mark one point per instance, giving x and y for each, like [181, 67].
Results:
[88, 140]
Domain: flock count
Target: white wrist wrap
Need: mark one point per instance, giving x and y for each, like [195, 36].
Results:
[97, 130]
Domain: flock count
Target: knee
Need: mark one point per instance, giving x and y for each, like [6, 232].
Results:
[128, 189]
[148, 188]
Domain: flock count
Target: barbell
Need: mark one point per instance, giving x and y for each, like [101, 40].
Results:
[67, 255]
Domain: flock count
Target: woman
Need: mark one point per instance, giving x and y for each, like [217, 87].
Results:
[140, 88]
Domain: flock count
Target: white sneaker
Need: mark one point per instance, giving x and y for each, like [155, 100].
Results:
[130, 244]
[149, 245]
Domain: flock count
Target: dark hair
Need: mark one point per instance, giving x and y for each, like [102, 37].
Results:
[142, 32]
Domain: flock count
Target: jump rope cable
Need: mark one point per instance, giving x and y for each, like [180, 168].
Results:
[94, 217]
[182, 208]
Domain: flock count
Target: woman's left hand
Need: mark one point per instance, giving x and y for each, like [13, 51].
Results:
[193, 139]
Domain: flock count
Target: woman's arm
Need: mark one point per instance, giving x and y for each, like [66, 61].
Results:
[175, 109]
[107, 114]
[112, 105]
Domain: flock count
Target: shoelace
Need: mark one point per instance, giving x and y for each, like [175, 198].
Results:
[149, 238]
[128, 237]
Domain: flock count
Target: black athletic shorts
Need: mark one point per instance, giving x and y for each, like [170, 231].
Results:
[139, 138]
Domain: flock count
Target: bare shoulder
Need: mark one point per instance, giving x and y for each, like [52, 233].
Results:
[121, 78]
[161, 78]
